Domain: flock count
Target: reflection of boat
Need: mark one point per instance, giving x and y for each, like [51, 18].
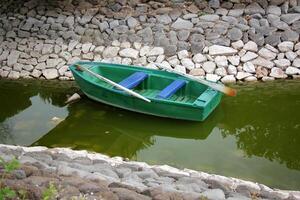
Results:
[171, 95]
[118, 132]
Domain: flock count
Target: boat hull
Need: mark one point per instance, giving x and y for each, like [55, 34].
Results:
[118, 98]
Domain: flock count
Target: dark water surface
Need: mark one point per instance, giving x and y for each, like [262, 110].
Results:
[254, 136]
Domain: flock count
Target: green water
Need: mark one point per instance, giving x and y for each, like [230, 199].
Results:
[254, 136]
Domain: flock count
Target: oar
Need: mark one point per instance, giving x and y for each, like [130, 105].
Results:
[220, 87]
[112, 83]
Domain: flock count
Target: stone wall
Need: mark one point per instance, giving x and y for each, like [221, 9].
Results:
[96, 176]
[228, 41]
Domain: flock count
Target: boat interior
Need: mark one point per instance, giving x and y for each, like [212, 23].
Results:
[160, 86]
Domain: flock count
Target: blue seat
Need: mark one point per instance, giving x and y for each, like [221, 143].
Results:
[133, 80]
[171, 89]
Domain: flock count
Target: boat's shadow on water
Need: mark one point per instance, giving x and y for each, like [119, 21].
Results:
[102, 128]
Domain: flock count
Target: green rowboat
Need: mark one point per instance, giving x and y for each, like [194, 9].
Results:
[171, 95]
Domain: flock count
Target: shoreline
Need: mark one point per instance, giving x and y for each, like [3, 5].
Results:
[143, 179]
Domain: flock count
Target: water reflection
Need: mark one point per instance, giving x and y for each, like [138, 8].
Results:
[253, 136]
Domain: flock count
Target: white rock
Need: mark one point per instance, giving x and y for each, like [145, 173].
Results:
[174, 62]
[137, 45]
[249, 67]
[296, 62]
[72, 98]
[259, 61]
[13, 58]
[166, 64]
[286, 46]
[228, 79]
[290, 55]
[232, 70]
[50, 73]
[250, 79]
[126, 61]
[249, 56]
[88, 56]
[13, 75]
[199, 58]
[221, 71]
[242, 75]
[271, 48]
[277, 73]
[216, 50]
[267, 78]
[188, 63]
[209, 67]
[160, 58]
[180, 68]
[129, 53]
[156, 51]
[63, 69]
[292, 71]
[144, 50]
[36, 73]
[125, 45]
[99, 49]
[86, 47]
[116, 43]
[267, 54]
[238, 44]
[234, 60]
[282, 63]
[212, 77]
[251, 46]
[183, 54]
[110, 52]
[280, 56]
[221, 61]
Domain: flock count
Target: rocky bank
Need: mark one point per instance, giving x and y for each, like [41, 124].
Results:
[218, 40]
[86, 175]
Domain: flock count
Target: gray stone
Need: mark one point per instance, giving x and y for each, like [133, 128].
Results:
[290, 55]
[296, 62]
[110, 52]
[254, 8]
[234, 34]
[13, 75]
[289, 35]
[88, 16]
[155, 51]
[182, 24]
[183, 35]
[290, 18]
[69, 22]
[164, 19]
[209, 18]
[274, 10]
[132, 22]
[214, 3]
[273, 39]
[129, 53]
[236, 12]
[13, 58]
[4, 55]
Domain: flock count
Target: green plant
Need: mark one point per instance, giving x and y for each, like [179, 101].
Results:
[50, 192]
[22, 194]
[8, 167]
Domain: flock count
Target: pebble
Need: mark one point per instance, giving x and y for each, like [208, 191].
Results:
[209, 67]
